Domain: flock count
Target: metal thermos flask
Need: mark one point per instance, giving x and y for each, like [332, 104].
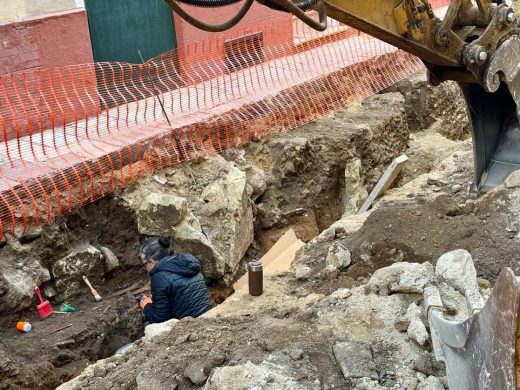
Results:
[255, 274]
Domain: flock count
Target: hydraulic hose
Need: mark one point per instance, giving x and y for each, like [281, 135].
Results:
[211, 27]
[296, 11]
[209, 3]
[303, 5]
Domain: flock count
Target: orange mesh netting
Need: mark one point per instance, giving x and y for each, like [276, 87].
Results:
[71, 135]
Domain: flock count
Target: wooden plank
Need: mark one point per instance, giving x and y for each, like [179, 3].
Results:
[382, 185]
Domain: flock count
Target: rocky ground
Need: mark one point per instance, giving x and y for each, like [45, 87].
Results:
[339, 319]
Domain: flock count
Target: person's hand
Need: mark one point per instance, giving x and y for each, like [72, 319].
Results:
[145, 300]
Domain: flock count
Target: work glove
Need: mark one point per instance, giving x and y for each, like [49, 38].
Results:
[145, 300]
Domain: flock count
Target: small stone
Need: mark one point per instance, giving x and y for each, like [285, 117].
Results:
[401, 324]
[99, 370]
[303, 273]
[160, 179]
[338, 256]
[182, 339]
[296, 354]
[424, 364]
[330, 272]
[49, 292]
[483, 283]
[456, 188]
[341, 293]
[197, 373]
[416, 330]
[430, 383]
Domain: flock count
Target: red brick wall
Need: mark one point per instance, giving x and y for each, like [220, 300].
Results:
[257, 15]
[52, 40]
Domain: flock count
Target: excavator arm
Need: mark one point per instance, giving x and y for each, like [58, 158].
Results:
[475, 43]
[478, 46]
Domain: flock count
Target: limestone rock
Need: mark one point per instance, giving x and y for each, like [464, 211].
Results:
[400, 277]
[160, 212]
[147, 379]
[341, 293]
[355, 192]
[188, 237]
[424, 364]
[303, 273]
[457, 269]
[251, 376]
[153, 330]
[111, 260]
[256, 182]
[338, 256]
[401, 324]
[17, 282]
[513, 180]
[329, 272]
[86, 260]
[227, 214]
[416, 330]
[197, 372]
[355, 360]
[68, 271]
[346, 225]
[430, 383]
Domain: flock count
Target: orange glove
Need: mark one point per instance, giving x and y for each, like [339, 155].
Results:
[145, 300]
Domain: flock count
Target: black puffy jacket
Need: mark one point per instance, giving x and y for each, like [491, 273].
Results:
[178, 289]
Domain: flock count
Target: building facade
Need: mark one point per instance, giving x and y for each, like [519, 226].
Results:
[50, 33]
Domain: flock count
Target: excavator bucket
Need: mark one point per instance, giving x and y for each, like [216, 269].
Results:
[496, 134]
[481, 353]
[494, 108]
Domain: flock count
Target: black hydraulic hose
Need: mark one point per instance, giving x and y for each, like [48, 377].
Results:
[303, 5]
[209, 3]
[320, 25]
[211, 27]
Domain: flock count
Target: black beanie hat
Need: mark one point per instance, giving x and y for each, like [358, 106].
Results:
[156, 248]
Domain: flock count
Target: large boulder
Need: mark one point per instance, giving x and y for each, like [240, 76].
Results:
[189, 237]
[67, 272]
[401, 278]
[458, 270]
[160, 212]
[227, 217]
[18, 277]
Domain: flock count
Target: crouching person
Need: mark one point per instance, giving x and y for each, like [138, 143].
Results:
[178, 286]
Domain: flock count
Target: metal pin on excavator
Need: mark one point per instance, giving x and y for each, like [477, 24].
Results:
[477, 44]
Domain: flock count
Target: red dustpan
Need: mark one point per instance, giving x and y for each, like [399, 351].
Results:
[44, 308]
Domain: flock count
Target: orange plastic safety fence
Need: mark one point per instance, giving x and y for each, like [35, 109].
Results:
[71, 135]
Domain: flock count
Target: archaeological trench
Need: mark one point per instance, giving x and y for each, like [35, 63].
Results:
[341, 317]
